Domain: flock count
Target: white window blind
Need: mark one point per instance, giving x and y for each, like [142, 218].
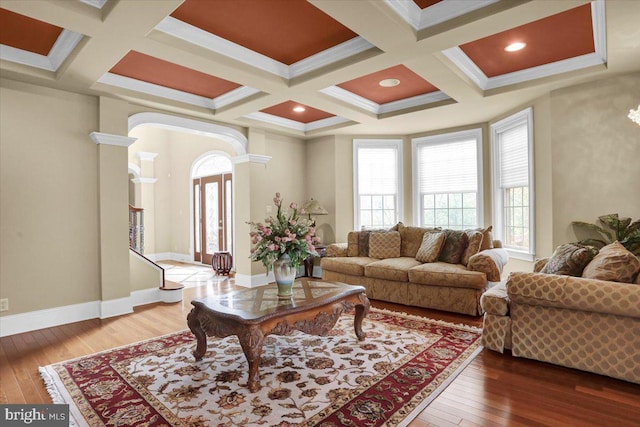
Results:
[513, 146]
[377, 170]
[448, 167]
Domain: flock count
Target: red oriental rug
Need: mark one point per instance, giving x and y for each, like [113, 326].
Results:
[387, 379]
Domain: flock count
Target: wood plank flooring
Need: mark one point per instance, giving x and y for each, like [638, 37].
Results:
[494, 390]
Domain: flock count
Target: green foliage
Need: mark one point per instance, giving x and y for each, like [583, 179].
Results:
[287, 233]
[611, 228]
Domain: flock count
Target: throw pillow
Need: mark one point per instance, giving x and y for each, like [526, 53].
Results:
[473, 247]
[613, 263]
[569, 259]
[385, 244]
[411, 239]
[487, 238]
[352, 243]
[454, 245]
[363, 243]
[432, 243]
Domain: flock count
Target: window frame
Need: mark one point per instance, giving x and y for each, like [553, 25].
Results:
[377, 143]
[447, 138]
[525, 116]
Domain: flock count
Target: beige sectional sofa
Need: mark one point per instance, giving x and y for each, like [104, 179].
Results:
[587, 324]
[397, 276]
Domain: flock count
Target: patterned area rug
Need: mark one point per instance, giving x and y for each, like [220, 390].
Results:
[387, 379]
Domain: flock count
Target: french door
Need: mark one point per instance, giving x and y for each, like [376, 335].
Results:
[212, 213]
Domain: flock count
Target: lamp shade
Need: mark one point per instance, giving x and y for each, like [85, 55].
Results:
[313, 207]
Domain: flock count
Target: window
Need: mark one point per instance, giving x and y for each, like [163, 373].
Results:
[447, 180]
[512, 154]
[377, 183]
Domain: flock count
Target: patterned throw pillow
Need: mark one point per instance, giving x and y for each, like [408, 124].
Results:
[474, 245]
[432, 243]
[487, 238]
[454, 246]
[614, 263]
[569, 259]
[384, 244]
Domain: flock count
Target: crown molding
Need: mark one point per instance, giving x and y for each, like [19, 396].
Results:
[178, 95]
[292, 124]
[199, 37]
[440, 12]
[64, 45]
[374, 107]
[98, 4]
[251, 158]
[110, 139]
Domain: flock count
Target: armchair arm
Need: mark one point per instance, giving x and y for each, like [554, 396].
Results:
[336, 250]
[489, 262]
[575, 293]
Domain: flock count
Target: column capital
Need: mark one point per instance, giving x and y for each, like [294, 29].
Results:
[251, 158]
[111, 139]
[146, 156]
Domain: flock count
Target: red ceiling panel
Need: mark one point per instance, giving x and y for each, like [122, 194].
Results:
[423, 4]
[153, 70]
[410, 85]
[26, 33]
[285, 110]
[565, 35]
[284, 30]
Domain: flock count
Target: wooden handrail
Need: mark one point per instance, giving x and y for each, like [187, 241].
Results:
[134, 209]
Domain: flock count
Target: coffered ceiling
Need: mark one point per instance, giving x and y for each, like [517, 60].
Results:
[315, 67]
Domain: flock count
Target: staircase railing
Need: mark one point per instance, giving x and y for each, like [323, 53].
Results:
[136, 229]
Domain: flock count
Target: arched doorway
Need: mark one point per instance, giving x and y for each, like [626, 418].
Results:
[212, 207]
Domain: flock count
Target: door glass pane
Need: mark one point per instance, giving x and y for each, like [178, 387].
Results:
[198, 223]
[211, 202]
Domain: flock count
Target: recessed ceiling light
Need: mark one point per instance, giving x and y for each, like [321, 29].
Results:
[389, 82]
[299, 109]
[514, 47]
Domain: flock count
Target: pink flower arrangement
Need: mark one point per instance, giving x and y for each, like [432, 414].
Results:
[287, 233]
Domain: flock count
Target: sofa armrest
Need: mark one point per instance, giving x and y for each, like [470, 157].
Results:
[490, 262]
[539, 264]
[336, 250]
[575, 293]
[497, 243]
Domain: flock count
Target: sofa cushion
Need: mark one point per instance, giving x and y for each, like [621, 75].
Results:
[353, 266]
[445, 274]
[487, 238]
[411, 238]
[454, 246]
[473, 246]
[613, 263]
[432, 243]
[391, 269]
[569, 259]
[384, 244]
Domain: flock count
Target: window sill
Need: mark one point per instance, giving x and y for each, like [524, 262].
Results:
[519, 254]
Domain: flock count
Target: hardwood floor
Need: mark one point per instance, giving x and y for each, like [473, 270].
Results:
[494, 390]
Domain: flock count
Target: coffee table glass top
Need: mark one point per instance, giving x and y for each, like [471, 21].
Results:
[254, 303]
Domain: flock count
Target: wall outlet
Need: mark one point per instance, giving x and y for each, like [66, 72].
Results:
[4, 304]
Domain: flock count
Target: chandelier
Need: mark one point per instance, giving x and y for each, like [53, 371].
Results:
[634, 115]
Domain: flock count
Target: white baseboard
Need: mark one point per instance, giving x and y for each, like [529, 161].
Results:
[40, 319]
[170, 256]
[255, 280]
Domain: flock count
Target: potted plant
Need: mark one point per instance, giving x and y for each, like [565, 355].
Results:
[283, 243]
[613, 228]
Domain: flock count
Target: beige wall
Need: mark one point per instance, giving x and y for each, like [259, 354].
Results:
[596, 153]
[142, 274]
[49, 198]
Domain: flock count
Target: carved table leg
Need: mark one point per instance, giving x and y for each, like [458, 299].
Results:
[251, 342]
[201, 337]
[361, 312]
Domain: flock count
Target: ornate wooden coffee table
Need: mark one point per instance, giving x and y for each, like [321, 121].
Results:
[252, 314]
